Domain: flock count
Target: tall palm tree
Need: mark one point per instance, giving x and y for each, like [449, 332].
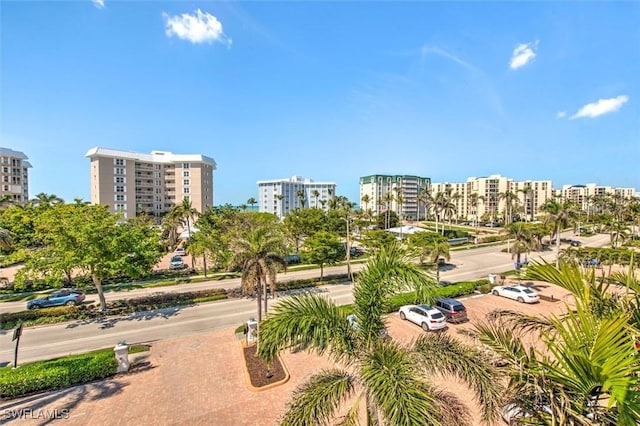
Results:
[170, 223]
[424, 197]
[315, 194]
[258, 253]
[187, 213]
[388, 200]
[301, 198]
[387, 382]
[560, 214]
[527, 191]
[366, 200]
[474, 201]
[510, 201]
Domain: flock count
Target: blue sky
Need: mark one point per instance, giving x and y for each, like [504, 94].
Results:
[328, 90]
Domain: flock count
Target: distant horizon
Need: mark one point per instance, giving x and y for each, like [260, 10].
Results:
[331, 91]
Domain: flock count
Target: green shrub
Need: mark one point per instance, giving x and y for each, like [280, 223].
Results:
[485, 288]
[57, 373]
[455, 290]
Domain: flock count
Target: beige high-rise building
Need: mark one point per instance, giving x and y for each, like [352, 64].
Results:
[132, 182]
[14, 176]
[531, 196]
[583, 195]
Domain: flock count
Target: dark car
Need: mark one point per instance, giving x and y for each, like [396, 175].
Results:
[292, 259]
[576, 243]
[453, 310]
[57, 298]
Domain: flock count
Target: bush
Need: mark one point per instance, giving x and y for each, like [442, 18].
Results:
[492, 239]
[57, 373]
[455, 290]
[485, 288]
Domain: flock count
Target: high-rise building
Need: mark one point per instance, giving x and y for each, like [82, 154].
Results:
[132, 182]
[480, 196]
[585, 195]
[280, 196]
[14, 176]
[399, 193]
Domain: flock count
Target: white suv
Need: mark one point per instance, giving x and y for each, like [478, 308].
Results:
[425, 316]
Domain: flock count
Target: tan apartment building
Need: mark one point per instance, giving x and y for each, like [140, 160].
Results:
[531, 196]
[14, 176]
[132, 182]
[382, 192]
[583, 195]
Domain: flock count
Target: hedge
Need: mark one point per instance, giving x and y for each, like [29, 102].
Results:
[455, 290]
[57, 373]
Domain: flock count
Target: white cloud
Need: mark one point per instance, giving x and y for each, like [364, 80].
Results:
[561, 114]
[522, 54]
[602, 106]
[199, 28]
[98, 3]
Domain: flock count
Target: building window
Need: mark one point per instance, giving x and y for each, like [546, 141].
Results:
[185, 190]
[119, 188]
[119, 171]
[185, 173]
[120, 207]
[185, 182]
[119, 162]
[120, 179]
[185, 165]
[119, 197]
[186, 197]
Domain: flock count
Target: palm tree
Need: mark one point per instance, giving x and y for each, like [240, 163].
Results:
[315, 194]
[387, 199]
[560, 214]
[527, 191]
[45, 200]
[524, 240]
[438, 249]
[474, 201]
[386, 382]
[578, 368]
[301, 198]
[425, 198]
[170, 224]
[252, 202]
[257, 252]
[187, 213]
[510, 200]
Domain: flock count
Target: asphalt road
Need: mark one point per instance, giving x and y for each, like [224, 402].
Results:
[44, 342]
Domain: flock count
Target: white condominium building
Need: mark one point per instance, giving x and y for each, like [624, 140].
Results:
[280, 196]
[132, 182]
[482, 195]
[584, 195]
[14, 176]
[399, 193]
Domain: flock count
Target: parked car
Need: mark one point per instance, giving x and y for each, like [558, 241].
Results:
[180, 252]
[57, 298]
[453, 310]
[517, 292]
[176, 263]
[292, 258]
[576, 243]
[425, 316]
[353, 322]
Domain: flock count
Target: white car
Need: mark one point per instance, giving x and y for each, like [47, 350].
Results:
[517, 292]
[425, 316]
[179, 252]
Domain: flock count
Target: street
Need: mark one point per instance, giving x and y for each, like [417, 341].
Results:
[44, 342]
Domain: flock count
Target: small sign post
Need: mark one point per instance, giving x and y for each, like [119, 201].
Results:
[16, 336]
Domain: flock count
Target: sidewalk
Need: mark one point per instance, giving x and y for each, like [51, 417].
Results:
[195, 380]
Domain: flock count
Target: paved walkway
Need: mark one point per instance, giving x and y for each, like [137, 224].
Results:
[196, 380]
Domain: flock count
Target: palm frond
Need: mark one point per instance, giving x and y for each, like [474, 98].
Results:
[351, 418]
[316, 401]
[452, 411]
[440, 353]
[308, 320]
[396, 387]
[523, 322]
